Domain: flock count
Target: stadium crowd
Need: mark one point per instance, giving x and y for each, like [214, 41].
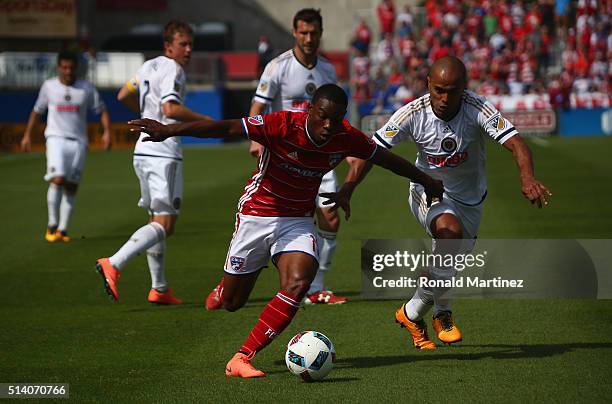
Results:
[554, 48]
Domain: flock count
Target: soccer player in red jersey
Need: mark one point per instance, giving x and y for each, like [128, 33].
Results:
[276, 208]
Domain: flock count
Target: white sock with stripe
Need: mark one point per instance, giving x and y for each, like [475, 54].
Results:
[54, 195]
[66, 208]
[156, 257]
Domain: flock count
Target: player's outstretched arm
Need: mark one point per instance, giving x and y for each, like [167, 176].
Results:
[128, 96]
[398, 165]
[159, 132]
[532, 189]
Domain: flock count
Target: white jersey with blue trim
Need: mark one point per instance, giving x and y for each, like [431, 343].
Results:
[288, 85]
[159, 80]
[67, 107]
[451, 151]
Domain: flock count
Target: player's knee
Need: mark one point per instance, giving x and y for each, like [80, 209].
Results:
[232, 304]
[71, 187]
[58, 181]
[447, 226]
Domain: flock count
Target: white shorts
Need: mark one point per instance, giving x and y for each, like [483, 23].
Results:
[257, 238]
[329, 183]
[469, 216]
[65, 158]
[161, 184]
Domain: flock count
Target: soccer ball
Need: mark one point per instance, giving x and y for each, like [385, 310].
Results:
[310, 355]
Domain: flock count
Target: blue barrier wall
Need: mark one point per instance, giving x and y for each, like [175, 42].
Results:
[17, 105]
[581, 122]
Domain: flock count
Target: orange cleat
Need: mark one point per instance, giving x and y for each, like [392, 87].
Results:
[62, 236]
[213, 301]
[110, 276]
[445, 328]
[324, 297]
[417, 329]
[166, 297]
[240, 366]
[51, 236]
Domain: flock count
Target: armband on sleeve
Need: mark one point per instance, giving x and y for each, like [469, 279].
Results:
[132, 85]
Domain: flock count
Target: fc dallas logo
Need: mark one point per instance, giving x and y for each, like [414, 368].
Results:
[256, 120]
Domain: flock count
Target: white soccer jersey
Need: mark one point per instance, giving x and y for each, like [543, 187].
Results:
[288, 85]
[452, 151]
[159, 80]
[67, 107]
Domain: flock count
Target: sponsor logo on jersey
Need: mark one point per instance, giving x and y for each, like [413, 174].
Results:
[256, 120]
[304, 172]
[390, 130]
[293, 154]
[68, 108]
[449, 144]
[237, 263]
[310, 88]
[334, 159]
[447, 161]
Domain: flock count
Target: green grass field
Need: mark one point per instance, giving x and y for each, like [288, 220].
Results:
[58, 325]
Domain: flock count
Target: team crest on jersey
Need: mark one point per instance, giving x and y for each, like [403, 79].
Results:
[497, 123]
[449, 144]
[390, 130]
[67, 97]
[256, 120]
[334, 159]
[310, 88]
[237, 263]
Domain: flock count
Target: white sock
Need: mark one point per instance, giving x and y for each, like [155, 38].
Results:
[419, 305]
[326, 241]
[156, 255]
[442, 295]
[54, 195]
[66, 207]
[141, 240]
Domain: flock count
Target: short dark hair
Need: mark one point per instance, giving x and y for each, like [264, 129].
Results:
[175, 26]
[309, 15]
[67, 55]
[331, 92]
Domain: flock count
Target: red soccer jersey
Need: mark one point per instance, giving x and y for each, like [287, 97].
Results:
[291, 166]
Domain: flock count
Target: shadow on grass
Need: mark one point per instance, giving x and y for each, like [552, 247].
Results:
[500, 351]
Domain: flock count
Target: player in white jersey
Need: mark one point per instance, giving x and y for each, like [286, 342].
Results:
[157, 92]
[66, 101]
[288, 84]
[449, 126]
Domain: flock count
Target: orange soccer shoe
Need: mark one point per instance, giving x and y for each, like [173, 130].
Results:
[110, 276]
[166, 297]
[417, 329]
[52, 236]
[63, 236]
[445, 328]
[240, 366]
[324, 297]
[213, 301]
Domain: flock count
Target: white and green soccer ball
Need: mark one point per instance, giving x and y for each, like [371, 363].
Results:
[310, 355]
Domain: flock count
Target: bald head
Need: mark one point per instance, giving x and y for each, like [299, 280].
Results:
[446, 82]
[448, 68]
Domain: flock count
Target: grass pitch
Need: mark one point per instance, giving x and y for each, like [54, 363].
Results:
[58, 325]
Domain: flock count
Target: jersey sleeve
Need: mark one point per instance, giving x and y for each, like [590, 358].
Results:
[362, 146]
[95, 102]
[42, 102]
[172, 84]
[263, 128]
[269, 84]
[397, 129]
[494, 124]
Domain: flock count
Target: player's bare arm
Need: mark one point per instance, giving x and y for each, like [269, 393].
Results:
[26, 141]
[106, 134]
[128, 96]
[179, 112]
[532, 189]
[392, 162]
[159, 132]
[257, 108]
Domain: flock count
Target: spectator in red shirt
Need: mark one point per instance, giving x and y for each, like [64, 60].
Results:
[386, 17]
